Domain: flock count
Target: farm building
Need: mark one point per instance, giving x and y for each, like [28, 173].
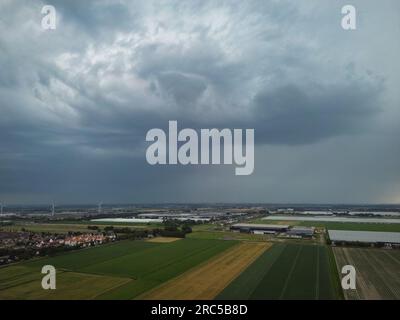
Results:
[259, 228]
[301, 231]
[372, 237]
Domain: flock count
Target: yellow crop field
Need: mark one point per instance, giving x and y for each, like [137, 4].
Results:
[209, 279]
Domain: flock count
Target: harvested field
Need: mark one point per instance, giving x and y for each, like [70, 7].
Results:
[163, 239]
[377, 272]
[209, 279]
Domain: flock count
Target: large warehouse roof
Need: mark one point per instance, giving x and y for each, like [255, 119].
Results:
[128, 220]
[260, 226]
[332, 219]
[364, 236]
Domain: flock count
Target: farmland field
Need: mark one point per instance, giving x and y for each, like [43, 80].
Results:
[287, 271]
[377, 272]
[115, 271]
[207, 280]
[70, 285]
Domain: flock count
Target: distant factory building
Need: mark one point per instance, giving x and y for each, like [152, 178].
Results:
[319, 212]
[288, 210]
[259, 228]
[301, 231]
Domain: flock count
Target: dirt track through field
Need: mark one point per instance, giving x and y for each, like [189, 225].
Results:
[209, 279]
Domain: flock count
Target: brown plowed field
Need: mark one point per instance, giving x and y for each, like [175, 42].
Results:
[377, 272]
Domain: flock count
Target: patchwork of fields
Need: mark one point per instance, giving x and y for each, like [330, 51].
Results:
[378, 272]
[170, 268]
[288, 271]
[122, 270]
[207, 280]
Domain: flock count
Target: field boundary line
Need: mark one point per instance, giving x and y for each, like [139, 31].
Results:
[17, 276]
[111, 288]
[270, 267]
[317, 278]
[101, 274]
[383, 279]
[24, 282]
[392, 257]
[334, 278]
[250, 262]
[291, 272]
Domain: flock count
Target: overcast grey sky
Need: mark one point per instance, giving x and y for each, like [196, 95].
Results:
[76, 102]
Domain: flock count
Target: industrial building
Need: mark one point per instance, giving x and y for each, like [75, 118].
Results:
[194, 215]
[331, 219]
[259, 228]
[301, 231]
[298, 232]
[372, 237]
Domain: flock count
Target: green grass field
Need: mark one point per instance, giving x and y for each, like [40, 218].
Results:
[355, 226]
[115, 271]
[287, 271]
[76, 260]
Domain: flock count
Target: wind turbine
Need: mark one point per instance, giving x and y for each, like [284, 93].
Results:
[52, 209]
[99, 208]
[1, 208]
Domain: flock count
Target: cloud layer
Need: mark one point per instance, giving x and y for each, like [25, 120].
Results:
[76, 102]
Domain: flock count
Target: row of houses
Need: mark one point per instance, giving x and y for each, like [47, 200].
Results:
[87, 239]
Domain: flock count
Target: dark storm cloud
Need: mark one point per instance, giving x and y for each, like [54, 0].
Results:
[291, 115]
[76, 102]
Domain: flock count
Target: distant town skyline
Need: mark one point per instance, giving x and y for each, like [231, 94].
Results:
[76, 102]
